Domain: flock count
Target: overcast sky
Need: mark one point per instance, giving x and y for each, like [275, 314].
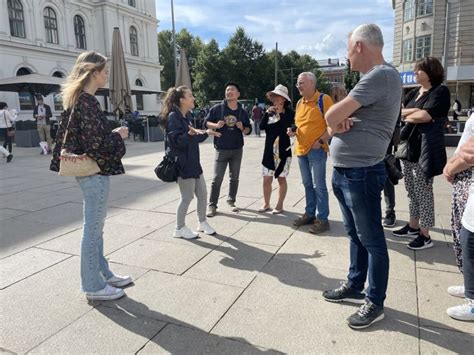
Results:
[316, 27]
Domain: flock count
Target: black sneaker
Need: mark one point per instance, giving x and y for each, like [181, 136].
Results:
[344, 294]
[406, 231]
[421, 242]
[9, 158]
[389, 220]
[365, 316]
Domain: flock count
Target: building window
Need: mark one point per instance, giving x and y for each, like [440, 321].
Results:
[408, 10]
[133, 41]
[425, 7]
[132, 3]
[423, 46]
[408, 50]
[27, 100]
[51, 25]
[139, 97]
[59, 74]
[80, 32]
[15, 15]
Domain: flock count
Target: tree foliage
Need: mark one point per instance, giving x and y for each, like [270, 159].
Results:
[351, 78]
[243, 60]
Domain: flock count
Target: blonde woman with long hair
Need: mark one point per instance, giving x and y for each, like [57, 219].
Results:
[87, 133]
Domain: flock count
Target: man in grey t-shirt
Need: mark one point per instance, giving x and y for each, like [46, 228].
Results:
[362, 125]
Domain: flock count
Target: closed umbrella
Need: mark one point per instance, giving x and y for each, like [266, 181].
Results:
[183, 77]
[120, 93]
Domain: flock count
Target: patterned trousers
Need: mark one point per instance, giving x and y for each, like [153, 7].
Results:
[420, 194]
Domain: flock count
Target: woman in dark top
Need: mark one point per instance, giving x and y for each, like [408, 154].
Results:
[277, 153]
[183, 145]
[425, 110]
[87, 133]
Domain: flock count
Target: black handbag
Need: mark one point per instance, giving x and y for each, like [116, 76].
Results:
[407, 149]
[167, 169]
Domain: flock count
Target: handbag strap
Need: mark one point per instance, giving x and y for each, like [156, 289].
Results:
[67, 127]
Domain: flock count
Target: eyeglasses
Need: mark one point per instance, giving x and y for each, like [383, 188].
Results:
[299, 83]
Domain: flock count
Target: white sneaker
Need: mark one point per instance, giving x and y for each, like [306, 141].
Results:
[206, 228]
[185, 233]
[456, 291]
[108, 293]
[463, 312]
[119, 281]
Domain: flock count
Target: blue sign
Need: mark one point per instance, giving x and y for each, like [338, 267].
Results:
[408, 78]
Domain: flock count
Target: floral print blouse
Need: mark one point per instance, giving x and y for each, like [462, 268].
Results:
[88, 132]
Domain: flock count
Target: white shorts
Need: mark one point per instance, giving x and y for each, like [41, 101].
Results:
[284, 173]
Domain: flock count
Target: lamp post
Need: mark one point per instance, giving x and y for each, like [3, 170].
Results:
[174, 43]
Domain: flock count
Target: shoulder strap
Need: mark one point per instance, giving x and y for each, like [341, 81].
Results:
[67, 127]
[321, 103]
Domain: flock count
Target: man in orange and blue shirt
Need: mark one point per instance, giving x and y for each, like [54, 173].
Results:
[311, 148]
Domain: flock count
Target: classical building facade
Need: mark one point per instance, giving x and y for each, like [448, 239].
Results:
[440, 28]
[46, 36]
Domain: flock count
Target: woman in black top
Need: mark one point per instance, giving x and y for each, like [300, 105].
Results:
[88, 133]
[425, 110]
[277, 153]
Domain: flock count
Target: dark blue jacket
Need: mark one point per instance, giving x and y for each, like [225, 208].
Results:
[183, 146]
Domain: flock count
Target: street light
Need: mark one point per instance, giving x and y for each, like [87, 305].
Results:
[175, 53]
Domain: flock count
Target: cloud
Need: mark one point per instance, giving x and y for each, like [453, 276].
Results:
[318, 28]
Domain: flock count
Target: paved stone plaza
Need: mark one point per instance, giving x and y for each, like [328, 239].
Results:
[254, 287]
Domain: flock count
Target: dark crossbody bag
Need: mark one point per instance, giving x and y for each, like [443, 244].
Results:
[167, 169]
[408, 150]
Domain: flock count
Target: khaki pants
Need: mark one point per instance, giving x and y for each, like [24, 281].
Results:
[45, 135]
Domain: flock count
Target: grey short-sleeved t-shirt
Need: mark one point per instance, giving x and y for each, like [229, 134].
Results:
[379, 92]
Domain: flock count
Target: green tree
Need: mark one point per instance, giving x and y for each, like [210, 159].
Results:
[351, 78]
[166, 55]
[209, 81]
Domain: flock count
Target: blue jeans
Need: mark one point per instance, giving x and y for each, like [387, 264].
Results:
[94, 267]
[313, 173]
[358, 191]
[467, 244]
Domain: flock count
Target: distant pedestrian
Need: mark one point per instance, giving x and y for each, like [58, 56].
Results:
[87, 132]
[257, 114]
[42, 114]
[7, 118]
[277, 152]
[231, 120]
[183, 143]
[362, 125]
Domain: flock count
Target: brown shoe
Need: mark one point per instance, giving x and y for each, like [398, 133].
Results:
[319, 226]
[304, 220]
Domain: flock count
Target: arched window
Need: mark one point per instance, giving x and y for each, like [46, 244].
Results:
[139, 97]
[50, 25]
[132, 3]
[59, 74]
[80, 32]
[133, 41]
[27, 100]
[15, 15]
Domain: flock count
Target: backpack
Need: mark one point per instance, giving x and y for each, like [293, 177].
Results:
[320, 103]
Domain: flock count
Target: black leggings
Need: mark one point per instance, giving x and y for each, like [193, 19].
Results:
[7, 140]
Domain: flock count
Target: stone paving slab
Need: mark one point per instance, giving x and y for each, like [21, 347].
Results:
[28, 262]
[116, 236]
[113, 332]
[178, 300]
[167, 257]
[182, 340]
[315, 326]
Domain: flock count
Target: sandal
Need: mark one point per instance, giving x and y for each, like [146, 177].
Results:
[264, 209]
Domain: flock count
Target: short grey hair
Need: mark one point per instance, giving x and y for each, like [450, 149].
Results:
[368, 34]
[309, 75]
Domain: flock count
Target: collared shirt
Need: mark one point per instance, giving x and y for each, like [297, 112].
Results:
[310, 122]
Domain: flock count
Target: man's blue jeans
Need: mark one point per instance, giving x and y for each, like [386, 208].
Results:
[313, 173]
[358, 191]
[94, 267]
